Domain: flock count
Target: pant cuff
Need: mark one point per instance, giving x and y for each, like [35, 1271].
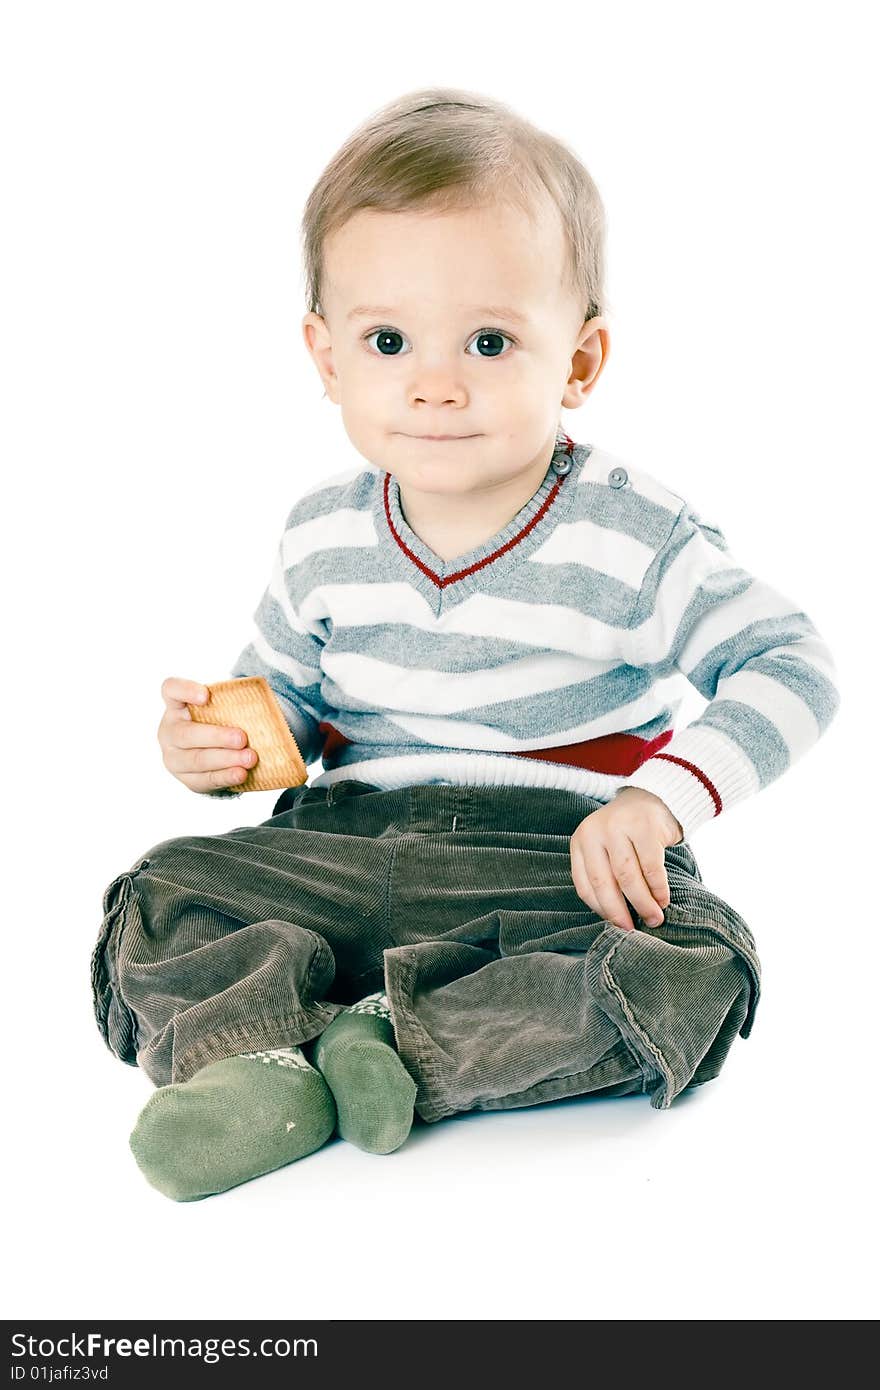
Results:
[417, 1050]
[255, 1036]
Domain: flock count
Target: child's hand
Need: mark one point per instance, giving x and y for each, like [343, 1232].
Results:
[201, 756]
[620, 847]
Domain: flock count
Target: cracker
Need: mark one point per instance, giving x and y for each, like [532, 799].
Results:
[249, 703]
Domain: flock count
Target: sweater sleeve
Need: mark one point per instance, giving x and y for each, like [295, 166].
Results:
[286, 650]
[747, 649]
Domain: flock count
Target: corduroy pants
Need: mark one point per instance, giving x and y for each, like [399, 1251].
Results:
[505, 989]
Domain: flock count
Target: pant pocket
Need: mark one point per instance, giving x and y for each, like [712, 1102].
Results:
[678, 995]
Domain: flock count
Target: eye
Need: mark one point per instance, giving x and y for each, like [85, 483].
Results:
[488, 341]
[488, 337]
[388, 339]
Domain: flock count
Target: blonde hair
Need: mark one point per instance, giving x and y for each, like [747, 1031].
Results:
[449, 149]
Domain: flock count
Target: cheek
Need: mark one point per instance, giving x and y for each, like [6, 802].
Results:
[519, 379]
[365, 416]
[526, 395]
[365, 383]
[360, 388]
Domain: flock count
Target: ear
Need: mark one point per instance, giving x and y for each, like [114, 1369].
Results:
[587, 362]
[316, 335]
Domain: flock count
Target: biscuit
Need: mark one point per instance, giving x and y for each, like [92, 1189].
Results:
[249, 703]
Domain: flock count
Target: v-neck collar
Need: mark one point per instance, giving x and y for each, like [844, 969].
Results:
[447, 582]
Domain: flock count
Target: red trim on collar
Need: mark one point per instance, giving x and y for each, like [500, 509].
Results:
[487, 560]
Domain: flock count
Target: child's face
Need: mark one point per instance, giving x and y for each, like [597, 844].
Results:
[433, 370]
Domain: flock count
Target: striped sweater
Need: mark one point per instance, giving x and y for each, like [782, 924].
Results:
[553, 655]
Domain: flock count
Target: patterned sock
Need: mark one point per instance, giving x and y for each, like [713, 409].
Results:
[374, 1092]
[232, 1121]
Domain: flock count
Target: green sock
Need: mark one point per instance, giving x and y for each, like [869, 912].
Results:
[232, 1121]
[373, 1091]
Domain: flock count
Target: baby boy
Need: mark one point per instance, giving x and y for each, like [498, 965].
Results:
[481, 628]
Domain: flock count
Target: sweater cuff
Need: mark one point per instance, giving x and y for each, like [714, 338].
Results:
[700, 773]
[299, 728]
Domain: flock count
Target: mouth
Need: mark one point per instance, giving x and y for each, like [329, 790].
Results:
[440, 438]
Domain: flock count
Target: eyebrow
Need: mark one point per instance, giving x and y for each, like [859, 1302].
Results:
[490, 311]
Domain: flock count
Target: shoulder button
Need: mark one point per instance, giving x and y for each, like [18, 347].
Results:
[618, 477]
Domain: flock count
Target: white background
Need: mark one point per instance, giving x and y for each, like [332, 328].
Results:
[161, 415]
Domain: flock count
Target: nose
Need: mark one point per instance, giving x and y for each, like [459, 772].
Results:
[437, 386]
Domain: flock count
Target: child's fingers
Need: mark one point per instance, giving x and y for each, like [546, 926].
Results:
[605, 897]
[653, 862]
[189, 761]
[209, 781]
[627, 869]
[178, 692]
[194, 734]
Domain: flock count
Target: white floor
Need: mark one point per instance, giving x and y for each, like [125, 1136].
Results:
[751, 1197]
[161, 417]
